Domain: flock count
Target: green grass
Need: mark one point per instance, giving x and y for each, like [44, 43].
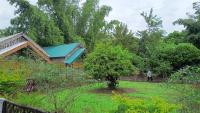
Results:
[87, 102]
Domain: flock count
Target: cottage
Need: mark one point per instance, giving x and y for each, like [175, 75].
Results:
[66, 53]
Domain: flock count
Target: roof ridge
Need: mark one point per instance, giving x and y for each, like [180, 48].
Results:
[35, 44]
[11, 36]
[31, 43]
[73, 51]
[61, 45]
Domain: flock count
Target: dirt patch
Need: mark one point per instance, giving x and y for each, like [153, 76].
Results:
[108, 91]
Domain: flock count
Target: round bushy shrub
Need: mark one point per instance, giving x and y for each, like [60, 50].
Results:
[181, 55]
[108, 63]
[170, 57]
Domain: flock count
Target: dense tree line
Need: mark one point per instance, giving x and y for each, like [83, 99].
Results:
[54, 22]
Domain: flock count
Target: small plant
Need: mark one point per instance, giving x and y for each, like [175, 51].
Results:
[11, 76]
[64, 103]
[108, 63]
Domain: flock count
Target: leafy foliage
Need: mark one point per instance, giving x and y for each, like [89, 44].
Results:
[187, 75]
[192, 25]
[181, 55]
[35, 23]
[53, 22]
[169, 57]
[48, 76]
[154, 105]
[191, 93]
[108, 62]
[12, 76]
[150, 38]
[91, 22]
[64, 13]
[176, 37]
[122, 36]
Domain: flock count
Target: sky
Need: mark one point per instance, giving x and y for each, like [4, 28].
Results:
[127, 11]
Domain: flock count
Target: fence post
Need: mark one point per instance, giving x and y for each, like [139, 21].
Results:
[1, 104]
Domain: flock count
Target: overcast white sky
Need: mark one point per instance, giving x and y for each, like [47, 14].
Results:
[127, 11]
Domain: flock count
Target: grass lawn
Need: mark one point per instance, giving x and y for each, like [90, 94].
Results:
[87, 102]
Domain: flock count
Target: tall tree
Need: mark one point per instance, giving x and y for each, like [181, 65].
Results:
[35, 23]
[123, 36]
[154, 23]
[52, 21]
[92, 22]
[151, 36]
[64, 13]
[192, 25]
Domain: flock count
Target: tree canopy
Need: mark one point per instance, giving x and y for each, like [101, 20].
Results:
[51, 22]
[192, 25]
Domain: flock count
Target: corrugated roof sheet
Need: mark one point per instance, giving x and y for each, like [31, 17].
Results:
[61, 50]
[74, 56]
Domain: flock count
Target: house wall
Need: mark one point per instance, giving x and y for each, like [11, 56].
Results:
[58, 60]
[76, 64]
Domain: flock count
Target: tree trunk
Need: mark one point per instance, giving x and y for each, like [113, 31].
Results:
[112, 82]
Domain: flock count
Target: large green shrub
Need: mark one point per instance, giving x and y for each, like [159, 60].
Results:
[181, 55]
[160, 67]
[108, 62]
[168, 58]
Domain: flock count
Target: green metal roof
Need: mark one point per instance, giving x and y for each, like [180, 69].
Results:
[61, 50]
[74, 56]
